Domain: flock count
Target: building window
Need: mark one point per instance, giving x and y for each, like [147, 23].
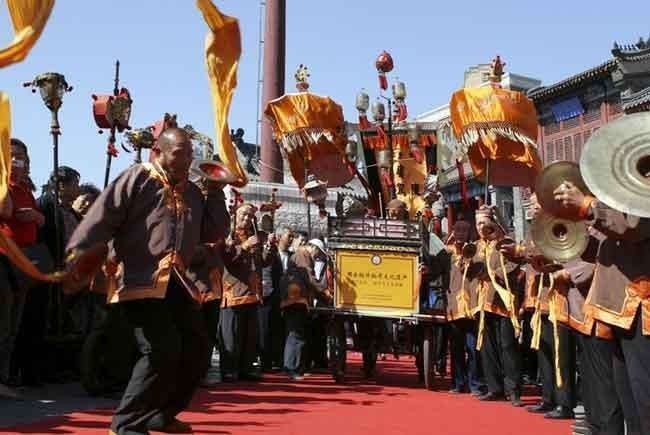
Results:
[559, 149]
[568, 152]
[571, 123]
[592, 115]
[577, 146]
[549, 153]
[551, 128]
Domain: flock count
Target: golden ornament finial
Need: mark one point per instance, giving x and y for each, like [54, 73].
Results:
[301, 76]
[497, 70]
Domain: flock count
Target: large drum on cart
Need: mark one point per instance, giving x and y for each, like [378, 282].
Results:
[376, 276]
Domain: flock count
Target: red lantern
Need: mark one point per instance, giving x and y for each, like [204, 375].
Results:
[384, 64]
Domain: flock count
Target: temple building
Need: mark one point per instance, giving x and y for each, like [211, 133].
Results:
[572, 109]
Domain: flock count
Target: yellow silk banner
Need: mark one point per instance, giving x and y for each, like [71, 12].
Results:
[5, 147]
[222, 52]
[28, 18]
[311, 131]
[498, 125]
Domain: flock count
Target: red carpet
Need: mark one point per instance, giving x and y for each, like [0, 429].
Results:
[317, 406]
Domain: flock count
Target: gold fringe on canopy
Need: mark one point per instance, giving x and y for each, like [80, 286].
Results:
[499, 125]
[311, 131]
[222, 52]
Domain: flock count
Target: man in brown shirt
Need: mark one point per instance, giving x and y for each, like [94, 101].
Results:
[499, 288]
[462, 301]
[620, 291]
[244, 254]
[155, 218]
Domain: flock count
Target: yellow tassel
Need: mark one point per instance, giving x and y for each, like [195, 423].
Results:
[552, 306]
[481, 322]
[504, 293]
[536, 320]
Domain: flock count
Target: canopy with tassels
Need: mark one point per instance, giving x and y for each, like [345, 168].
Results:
[498, 125]
[311, 133]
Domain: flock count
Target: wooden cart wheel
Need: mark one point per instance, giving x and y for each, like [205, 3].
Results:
[428, 350]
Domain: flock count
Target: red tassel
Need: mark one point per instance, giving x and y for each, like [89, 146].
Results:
[364, 124]
[386, 178]
[383, 81]
[417, 154]
[401, 112]
[382, 138]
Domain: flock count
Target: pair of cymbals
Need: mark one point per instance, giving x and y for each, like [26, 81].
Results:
[557, 231]
[550, 179]
[558, 239]
[615, 164]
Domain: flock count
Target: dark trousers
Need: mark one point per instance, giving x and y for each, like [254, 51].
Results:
[528, 355]
[500, 356]
[636, 355]
[295, 320]
[371, 336]
[602, 407]
[464, 365]
[239, 339]
[210, 312]
[30, 342]
[271, 332]
[316, 350]
[551, 393]
[173, 343]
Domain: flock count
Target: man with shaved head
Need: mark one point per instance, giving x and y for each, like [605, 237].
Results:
[155, 218]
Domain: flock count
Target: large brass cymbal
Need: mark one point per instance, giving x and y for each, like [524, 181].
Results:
[559, 239]
[615, 164]
[550, 179]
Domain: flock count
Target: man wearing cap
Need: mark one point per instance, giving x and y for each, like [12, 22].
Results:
[462, 301]
[499, 294]
[300, 286]
[244, 257]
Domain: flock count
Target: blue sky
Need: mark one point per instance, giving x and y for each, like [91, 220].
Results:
[160, 47]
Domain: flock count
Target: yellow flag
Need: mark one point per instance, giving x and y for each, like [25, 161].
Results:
[28, 18]
[222, 52]
[5, 148]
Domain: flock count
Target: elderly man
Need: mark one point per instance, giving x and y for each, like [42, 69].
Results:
[244, 256]
[299, 286]
[156, 218]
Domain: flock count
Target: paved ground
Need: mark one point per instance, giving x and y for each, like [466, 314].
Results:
[50, 401]
[394, 404]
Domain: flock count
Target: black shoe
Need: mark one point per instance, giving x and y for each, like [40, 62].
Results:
[477, 393]
[541, 408]
[560, 413]
[491, 397]
[457, 391]
[515, 400]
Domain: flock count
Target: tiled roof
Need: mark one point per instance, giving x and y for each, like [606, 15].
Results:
[544, 92]
[636, 100]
